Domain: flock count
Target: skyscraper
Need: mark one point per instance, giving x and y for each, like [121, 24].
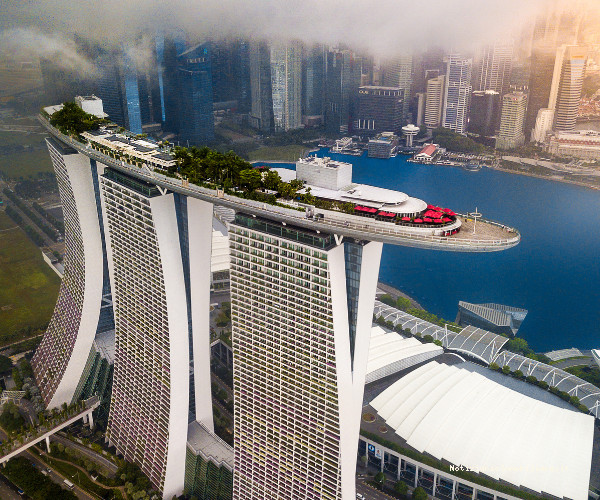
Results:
[457, 94]
[63, 352]
[380, 109]
[557, 25]
[511, 133]
[398, 72]
[484, 117]
[567, 82]
[343, 71]
[261, 113]
[493, 72]
[196, 124]
[300, 358]
[313, 83]
[434, 101]
[286, 84]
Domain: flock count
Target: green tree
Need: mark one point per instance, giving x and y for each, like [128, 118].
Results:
[401, 488]
[506, 369]
[494, 366]
[380, 479]
[363, 460]
[272, 180]
[251, 179]
[419, 494]
[6, 364]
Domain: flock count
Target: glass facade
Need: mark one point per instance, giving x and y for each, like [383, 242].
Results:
[353, 259]
[206, 480]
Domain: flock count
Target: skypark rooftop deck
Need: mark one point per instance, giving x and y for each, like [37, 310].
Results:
[488, 237]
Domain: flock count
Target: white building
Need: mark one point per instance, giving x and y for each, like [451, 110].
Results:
[324, 172]
[543, 125]
[302, 306]
[161, 301]
[514, 107]
[596, 356]
[60, 359]
[92, 105]
[434, 102]
[457, 94]
[584, 144]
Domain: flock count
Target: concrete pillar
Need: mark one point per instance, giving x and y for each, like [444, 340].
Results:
[85, 419]
[91, 420]
[48, 443]
[434, 482]
[416, 482]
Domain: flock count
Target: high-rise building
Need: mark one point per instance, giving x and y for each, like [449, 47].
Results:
[299, 358]
[313, 82]
[343, 72]
[286, 84]
[457, 93]
[159, 304]
[558, 25]
[543, 125]
[303, 288]
[63, 352]
[567, 82]
[261, 113]
[196, 124]
[398, 72]
[484, 118]
[380, 109]
[434, 101]
[514, 106]
[231, 74]
[493, 72]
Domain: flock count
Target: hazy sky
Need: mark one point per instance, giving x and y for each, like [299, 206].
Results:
[383, 27]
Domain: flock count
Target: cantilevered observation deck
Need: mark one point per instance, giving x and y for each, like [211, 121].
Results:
[480, 236]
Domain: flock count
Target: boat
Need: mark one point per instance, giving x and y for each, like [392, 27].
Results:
[472, 167]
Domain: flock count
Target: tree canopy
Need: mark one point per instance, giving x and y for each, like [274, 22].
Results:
[71, 119]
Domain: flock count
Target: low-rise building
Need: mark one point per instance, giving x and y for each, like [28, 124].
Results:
[383, 145]
[584, 144]
[324, 172]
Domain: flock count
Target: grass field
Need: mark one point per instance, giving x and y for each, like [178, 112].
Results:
[278, 153]
[28, 287]
[28, 163]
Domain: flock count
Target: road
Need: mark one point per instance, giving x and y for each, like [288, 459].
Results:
[94, 456]
[370, 493]
[58, 478]
[7, 492]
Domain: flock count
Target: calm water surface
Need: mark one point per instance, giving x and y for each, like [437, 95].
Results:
[554, 272]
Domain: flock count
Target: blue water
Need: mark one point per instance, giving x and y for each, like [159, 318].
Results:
[554, 272]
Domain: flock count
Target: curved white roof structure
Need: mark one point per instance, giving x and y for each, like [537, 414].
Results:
[596, 355]
[390, 352]
[465, 418]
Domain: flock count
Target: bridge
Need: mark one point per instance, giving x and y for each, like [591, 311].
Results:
[489, 237]
[44, 434]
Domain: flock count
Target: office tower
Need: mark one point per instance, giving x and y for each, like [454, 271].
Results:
[557, 25]
[63, 352]
[543, 125]
[196, 124]
[380, 109]
[242, 75]
[343, 71]
[313, 83]
[300, 357]
[170, 85]
[434, 102]
[230, 74]
[421, 99]
[457, 94]
[129, 93]
[484, 117]
[495, 67]
[567, 82]
[261, 113]
[398, 72]
[286, 84]
[161, 369]
[514, 106]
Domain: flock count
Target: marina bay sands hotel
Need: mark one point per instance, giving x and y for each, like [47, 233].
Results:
[303, 284]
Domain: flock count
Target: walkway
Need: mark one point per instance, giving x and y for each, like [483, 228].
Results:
[90, 405]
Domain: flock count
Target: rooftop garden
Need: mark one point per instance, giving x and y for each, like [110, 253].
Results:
[71, 119]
